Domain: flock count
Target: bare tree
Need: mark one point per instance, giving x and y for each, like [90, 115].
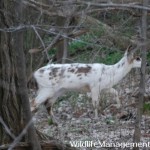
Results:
[22, 80]
[137, 132]
[10, 106]
[13, 64]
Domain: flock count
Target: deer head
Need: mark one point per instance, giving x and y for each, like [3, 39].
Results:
[135, 61]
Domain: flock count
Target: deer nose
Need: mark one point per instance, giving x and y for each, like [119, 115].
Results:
[147, 64]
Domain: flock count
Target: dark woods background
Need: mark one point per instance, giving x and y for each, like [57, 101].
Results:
[33, 33]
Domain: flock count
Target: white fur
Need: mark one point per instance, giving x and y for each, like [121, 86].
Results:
[55, 79]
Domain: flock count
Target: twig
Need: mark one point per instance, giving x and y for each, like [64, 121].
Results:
[17, 139]
[46, 51]
[39, 9]
[132, 6]
[52, 43]
[6, 128]
[38, 36]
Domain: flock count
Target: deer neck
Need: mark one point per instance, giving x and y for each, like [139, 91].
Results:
[121, 69]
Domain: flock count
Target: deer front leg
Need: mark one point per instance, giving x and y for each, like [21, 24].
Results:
[49, 107]
[95, 100]
[42, 96]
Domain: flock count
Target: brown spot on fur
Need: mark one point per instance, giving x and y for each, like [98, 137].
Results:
[59, 74]
[78, 75]
[50, 78]
[71, 70]
[86, 88]
[83, 69]
[54, 72]
[80, 78]
[100, 79]
[41, 70]
[123, 63]
[50, 73]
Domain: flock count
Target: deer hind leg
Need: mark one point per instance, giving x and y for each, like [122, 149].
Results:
[51, 101]
[115, 93]
[49, 106]
[95, 100]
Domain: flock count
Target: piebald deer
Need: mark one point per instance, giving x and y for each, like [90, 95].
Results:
[55, 79]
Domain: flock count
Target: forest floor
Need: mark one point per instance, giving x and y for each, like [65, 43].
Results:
[76, 118]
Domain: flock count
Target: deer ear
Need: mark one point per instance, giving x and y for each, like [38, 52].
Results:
[128, 50]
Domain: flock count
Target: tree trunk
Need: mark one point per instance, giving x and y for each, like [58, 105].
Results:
[22, 80]
[60, 46]
[14, 95]
[10, 107]
[137, 132]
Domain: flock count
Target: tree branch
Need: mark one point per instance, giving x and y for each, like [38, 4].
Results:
[6, 128]
[17, 139]
[114, 5]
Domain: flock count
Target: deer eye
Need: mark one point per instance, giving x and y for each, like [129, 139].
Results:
[138, 59]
